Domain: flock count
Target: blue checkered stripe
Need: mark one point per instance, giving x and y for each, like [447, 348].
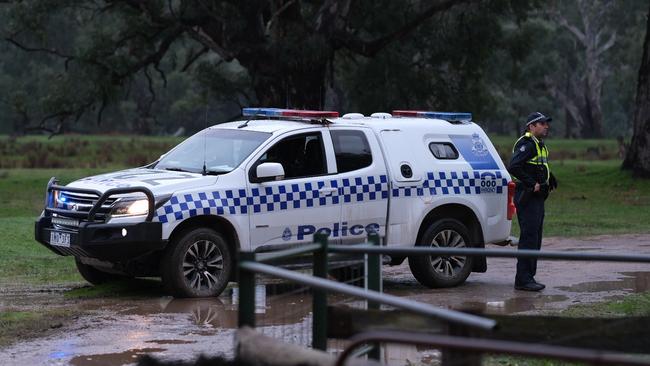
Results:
[274, 198]
[364, 189]
[464, 182]
[226, 202]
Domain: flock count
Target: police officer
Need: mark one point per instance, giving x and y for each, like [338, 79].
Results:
[529, 166]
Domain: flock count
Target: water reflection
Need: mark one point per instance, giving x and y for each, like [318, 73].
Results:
[511, 305]
[632, 282]
[121, 358]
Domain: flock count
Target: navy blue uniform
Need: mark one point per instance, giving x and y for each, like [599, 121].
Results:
[527, 167]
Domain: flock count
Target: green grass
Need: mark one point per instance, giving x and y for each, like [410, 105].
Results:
[26, 324]
[521, 361]
[22, 191]
[22, 259]
[75, 151]
[594, 197]
[630, 305]
[565, 149]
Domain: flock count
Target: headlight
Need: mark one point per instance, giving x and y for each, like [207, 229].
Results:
[58, 199]
[130, 208]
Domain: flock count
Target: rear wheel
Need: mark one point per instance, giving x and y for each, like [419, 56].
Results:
[446, 270]
[96, 276]
[197, 264]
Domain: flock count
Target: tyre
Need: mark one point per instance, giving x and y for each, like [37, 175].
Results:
[96, 276]
[198, 263]
[442, 271]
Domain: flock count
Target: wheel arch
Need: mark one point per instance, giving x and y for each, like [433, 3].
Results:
[467, 217]
[217, 223]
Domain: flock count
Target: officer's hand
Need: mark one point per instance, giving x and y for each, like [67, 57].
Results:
[552, 183]
[536, 189]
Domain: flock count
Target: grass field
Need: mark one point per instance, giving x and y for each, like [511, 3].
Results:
[23, 260]
[76, 152]
[594, 197]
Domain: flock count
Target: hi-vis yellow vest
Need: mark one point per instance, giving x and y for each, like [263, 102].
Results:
[542, 154]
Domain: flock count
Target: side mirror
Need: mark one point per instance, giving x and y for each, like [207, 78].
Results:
[267, 172]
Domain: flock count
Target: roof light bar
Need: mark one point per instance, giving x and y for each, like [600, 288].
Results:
[279, 112]
[447, 116]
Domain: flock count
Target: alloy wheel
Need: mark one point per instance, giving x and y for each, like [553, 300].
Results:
[202, 265]
[448, 265]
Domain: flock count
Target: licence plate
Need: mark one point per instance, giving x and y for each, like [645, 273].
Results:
[59, 239]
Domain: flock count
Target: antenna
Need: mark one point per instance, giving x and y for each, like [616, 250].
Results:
[205, 170]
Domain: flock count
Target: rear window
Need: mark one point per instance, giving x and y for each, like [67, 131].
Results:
[443, 150]
[351, 149]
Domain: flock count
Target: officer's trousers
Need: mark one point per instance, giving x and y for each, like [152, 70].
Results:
[530, 213]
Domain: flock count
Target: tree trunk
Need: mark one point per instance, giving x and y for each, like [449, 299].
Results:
[638, 156]
[584, 102]
[593, 113]
[287, 60]
[568, 124]
[296, 88]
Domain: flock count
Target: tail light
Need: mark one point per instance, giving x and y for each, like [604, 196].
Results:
[511, 200]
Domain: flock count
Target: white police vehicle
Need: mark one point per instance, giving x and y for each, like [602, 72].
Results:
[277, 178]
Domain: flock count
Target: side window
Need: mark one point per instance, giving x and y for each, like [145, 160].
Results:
[351, 149]
[300, 155]
[443, 150]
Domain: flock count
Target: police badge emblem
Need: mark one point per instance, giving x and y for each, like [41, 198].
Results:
[286, 234]
[478, 145]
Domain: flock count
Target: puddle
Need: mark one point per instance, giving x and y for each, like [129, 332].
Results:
[122, 358]
[512, 305]
[581, 249]
[169, 341]
[120, 329]
[275, 305]
[632, 282]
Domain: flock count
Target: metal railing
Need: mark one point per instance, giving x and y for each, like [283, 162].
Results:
[490, 346]
[249, 265]
[252, 263]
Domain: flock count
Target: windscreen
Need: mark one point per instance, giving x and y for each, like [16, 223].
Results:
[222, 150]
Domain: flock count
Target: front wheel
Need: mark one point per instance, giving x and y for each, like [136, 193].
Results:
[197, 264]
[445, 270]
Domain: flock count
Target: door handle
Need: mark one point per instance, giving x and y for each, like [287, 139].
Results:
[326, 191]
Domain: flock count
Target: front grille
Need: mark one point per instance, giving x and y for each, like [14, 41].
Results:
[76, 203]
[76, 252]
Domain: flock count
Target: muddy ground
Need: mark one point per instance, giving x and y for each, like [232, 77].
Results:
[116, 331]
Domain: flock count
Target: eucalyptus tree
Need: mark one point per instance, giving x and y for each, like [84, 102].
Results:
[638, 154]
[283, 51]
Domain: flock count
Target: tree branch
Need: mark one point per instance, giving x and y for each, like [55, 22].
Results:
[580, 36]
[193, 57]
[370, 48]
[609, 44]
[154, 58]
[200, 36]
[50, 51]
[275, 15]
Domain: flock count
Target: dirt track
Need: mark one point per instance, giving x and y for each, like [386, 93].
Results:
[117, 331]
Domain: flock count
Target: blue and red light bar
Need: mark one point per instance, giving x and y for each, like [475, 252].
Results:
[279, 112]
[447, 116]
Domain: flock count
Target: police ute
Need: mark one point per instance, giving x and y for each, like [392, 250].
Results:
[274, 179]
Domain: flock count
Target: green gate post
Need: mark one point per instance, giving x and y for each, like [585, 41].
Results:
[319, 300]
[373, 270]
[246, 292]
